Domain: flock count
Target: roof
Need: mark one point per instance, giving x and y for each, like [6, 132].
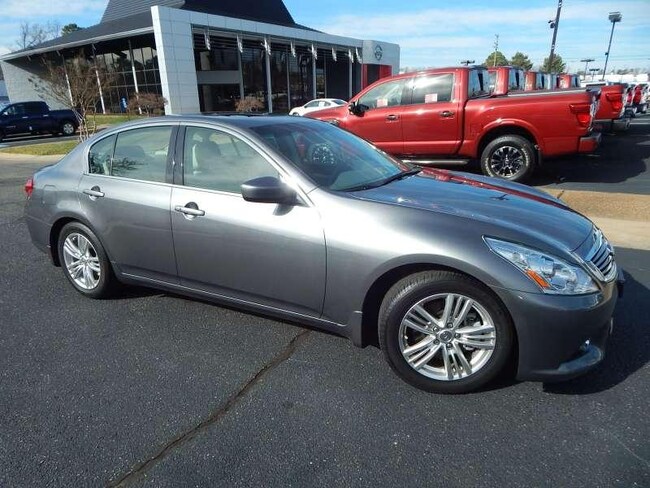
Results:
[268, 11]
[125, 26]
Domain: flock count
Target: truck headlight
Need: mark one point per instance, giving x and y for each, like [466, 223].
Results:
[552, 274]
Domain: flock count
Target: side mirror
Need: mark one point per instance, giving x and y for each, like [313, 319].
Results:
[357, 108]
[268, 189]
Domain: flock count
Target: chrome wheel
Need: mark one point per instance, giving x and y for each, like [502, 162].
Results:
[447, 337]
[81, 261]
[507, 162]
[67, 128]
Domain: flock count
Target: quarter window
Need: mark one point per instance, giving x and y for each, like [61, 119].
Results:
[214, 160]
[387, 94]
[432, 88]
[141, 154]
[99, 156]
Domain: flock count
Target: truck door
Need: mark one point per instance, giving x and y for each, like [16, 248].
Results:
[431, 119]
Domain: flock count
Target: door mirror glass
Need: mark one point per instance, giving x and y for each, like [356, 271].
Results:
[357, 108]
[268, 189]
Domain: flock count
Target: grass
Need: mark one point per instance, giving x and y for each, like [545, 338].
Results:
[47, 149]
[112, 119]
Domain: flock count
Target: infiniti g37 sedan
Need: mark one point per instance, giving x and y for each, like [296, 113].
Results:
[453, 275]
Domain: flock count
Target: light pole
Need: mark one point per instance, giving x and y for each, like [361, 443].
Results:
[613, 18]
[593, 72]
[587, 61]
[553, 24]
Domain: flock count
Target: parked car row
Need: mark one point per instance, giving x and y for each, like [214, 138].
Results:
[36, 118]
[453, 114]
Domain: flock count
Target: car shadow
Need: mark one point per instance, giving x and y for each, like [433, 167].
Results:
[628, 349]
[605, 166]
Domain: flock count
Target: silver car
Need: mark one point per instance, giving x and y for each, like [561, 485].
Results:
[451, 275]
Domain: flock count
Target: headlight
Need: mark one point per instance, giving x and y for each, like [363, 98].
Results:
[553, 275]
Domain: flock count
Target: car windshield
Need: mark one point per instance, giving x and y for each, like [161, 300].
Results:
[331, 157]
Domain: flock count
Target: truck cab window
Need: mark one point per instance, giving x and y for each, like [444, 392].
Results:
[387, 94]
[432, 88]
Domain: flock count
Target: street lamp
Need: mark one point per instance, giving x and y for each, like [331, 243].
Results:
[613, 18]
[593, 72]
[587, 61]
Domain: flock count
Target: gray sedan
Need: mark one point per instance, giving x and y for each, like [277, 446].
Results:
[451, 275]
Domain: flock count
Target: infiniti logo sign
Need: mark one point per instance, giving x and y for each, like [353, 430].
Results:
[379, 52]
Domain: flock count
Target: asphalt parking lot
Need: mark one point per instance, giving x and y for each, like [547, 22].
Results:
[152, 389]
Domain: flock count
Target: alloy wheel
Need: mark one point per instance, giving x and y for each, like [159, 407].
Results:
[507, 162]
[447, 337]
[68, 129]
[81, 261]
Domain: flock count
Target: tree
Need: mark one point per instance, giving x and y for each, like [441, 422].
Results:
[249, 104]
[34, 34]
[73, 84]
[558, 66]
[148, 103]
[501, 60]
[68, 28]
[521, 60]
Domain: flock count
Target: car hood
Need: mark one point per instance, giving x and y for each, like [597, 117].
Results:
[497, 202]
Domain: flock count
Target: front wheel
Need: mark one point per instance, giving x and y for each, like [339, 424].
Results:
[509, 157]
[444, 332]
[84, 261]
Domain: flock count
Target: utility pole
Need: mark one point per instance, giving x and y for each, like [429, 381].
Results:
[496, 48]
[554, 25]
[587, 61]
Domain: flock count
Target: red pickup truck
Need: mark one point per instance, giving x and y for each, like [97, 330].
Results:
[449, 113]
[611, 116]
[506, 79]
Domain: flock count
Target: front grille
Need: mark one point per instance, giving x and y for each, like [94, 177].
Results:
[600, 257]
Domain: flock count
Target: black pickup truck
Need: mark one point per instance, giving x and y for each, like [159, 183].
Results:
[36, 118]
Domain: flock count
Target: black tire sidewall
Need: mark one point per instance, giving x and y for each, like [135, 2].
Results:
[105, 284]
[520, 143]
[395, 311]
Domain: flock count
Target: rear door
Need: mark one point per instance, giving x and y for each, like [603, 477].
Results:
[38, 117]
[125, 195]
[432, 118]
[381, 122]
[268, 254]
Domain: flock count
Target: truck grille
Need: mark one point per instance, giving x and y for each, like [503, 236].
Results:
[600, 257]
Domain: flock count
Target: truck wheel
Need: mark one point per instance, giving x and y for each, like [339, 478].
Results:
[508, 157]
[444, 332]
[67, 128]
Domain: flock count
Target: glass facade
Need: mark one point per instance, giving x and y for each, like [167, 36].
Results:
[225, 74]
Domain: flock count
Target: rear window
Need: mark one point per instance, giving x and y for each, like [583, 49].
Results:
[479, 83]
[432, 88]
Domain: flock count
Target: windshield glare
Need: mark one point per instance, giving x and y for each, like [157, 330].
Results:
[332, 158]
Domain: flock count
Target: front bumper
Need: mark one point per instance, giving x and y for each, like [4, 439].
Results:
[590, 143]
[561, 337]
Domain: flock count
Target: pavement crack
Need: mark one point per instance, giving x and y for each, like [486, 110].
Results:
[215, 416]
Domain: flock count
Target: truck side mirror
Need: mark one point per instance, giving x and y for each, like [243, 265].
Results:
[357, 108]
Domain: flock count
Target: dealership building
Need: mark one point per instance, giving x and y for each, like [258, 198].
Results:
[206, 55]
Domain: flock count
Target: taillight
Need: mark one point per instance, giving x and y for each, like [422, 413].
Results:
[29, 187]
[582, 112]
[616, 100]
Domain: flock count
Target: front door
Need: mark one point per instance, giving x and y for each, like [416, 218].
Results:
[263, 253]
[125, 196]
[381, 120]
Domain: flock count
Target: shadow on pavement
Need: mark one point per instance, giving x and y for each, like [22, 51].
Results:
[628, 349]
[606, 166]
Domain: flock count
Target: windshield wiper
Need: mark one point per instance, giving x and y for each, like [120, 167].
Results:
[376, 184]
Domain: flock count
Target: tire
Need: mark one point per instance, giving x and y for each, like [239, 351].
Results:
[485, 350]
[80, 250]
[509, 157]
[68, 128]
[2, 136]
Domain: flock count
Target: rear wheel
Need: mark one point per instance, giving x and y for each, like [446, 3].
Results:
[509, 157]
[444, 332]
[84, 261]
[67, 128]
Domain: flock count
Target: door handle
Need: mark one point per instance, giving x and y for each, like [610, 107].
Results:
[392, 117]
[194, 212]
[94, 192]
[446, 114]
[25, 117]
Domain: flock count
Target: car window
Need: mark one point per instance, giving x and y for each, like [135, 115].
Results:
[312, 104]
[432, 88]
[141, 154]
[99, 156]
[388, 94]
[479, 83]
[34, 108]
[15, 110]
[214, 160]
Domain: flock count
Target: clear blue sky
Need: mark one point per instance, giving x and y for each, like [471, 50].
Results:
[430, 33]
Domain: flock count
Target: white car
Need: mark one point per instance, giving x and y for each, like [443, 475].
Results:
[317, 104]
